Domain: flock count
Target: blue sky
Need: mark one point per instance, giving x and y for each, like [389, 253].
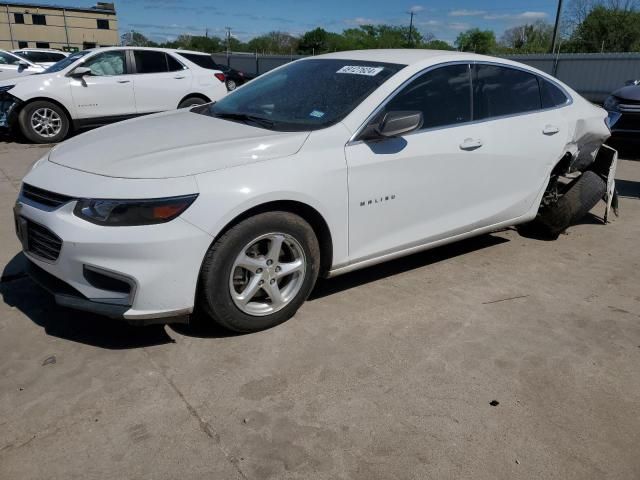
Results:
[165, 19]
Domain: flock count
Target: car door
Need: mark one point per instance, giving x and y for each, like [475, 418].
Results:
[520, 136]
[424, 185]
[107, 91]
[161, 82]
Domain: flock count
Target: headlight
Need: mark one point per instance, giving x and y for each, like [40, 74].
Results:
[611, 103]
[6, 88]
[127, 213]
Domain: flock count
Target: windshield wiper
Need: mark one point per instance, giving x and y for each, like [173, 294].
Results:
[264, 122]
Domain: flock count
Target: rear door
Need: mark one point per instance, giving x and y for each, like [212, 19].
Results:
[107, 91]
[161, 81]
[520, 139]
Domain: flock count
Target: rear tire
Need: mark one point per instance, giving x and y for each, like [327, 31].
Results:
[231, 85]
[581, 195]
[43, 122]
[259, 272]
[192, 102]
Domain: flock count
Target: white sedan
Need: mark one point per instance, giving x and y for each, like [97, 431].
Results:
[320, 167]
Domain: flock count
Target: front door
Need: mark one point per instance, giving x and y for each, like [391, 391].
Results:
[107, 91]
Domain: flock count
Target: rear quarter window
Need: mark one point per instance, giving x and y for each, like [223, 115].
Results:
[204, 61]
[551, 95]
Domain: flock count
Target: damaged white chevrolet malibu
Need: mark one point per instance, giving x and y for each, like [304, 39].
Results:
[320, 167]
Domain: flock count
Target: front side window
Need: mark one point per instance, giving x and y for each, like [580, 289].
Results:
[6, 59]
[304, 95]
[149, 61]
[499, 91]
[442, 95]
[107, 63]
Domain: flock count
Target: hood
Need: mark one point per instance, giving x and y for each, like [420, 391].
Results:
[173, 144]
[630, 92]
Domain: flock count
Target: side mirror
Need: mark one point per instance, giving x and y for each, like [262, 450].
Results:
[80, 72]
[23, 66]
[398, 123]
[632, 82]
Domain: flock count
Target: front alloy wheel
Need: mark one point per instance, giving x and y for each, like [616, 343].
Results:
[258, 273]
[43, 122]
[267, 274]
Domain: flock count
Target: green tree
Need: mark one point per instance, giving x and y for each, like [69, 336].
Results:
[314, 41]
[273, 43]
[136, 39]
[529, 38]
[607, 29]
[436, 45]
[476, 40]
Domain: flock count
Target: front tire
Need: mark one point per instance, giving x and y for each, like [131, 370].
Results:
[259, 273]
[43, 122]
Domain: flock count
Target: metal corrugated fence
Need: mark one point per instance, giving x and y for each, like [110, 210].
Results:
[593, 75]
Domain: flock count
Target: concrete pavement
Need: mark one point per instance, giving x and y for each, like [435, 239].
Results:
[385, 373]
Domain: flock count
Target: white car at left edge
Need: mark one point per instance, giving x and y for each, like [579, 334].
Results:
[104, 85]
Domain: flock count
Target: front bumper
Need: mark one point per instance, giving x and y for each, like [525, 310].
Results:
[625, 124]
[158, 263]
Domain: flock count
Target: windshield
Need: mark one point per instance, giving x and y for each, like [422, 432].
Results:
[304, 95]
[65, 62]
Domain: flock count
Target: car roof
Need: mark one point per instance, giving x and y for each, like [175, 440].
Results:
[52, 50]
[154, 49]
[405, 56]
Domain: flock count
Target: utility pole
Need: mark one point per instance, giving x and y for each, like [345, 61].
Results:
[228, 38]
[412, 13]
[556, 27]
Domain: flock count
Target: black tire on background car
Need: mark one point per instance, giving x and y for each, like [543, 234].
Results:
[579, 197]
[43, 122]
[259, 272]
[192, 102]
[231, 85]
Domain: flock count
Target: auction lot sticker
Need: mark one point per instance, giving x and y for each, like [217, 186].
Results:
[359, 70]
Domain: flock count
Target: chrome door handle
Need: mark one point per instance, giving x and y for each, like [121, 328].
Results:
[550, 130]
[124, 81]
[471, 144]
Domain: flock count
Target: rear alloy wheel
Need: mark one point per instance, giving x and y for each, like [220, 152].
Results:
[231, 84]
[43, 122]
[192, 102]
[260, 272]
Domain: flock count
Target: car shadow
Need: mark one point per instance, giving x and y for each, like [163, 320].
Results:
[326, 287]
[19, 291]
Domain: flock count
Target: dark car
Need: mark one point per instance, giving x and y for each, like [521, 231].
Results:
[623, 106]
[234, 78]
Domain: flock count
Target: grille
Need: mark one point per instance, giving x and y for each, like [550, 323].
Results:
[42, 242]
[44, 197]
[629, 107]
[627, 122]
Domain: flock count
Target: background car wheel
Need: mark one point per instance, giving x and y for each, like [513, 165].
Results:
[192, 102]
[43, 122]
[580, 196]
[259, 272]
[231, 85]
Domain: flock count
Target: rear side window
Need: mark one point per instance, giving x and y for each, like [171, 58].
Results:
[499, 91]
[442, 95]
[204, 61]
[148, 61]
[551, 95]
